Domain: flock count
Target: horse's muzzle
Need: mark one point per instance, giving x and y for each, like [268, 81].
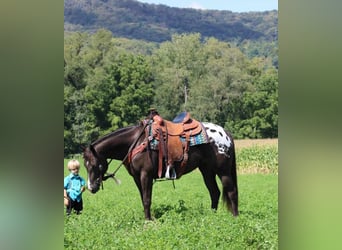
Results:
[93, 188]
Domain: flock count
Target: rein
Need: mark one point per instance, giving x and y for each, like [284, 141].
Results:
[173, 182]
[112, 175]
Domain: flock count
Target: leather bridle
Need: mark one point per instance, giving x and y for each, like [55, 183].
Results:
[112, 175]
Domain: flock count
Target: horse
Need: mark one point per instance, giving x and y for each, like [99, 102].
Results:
[217, 157]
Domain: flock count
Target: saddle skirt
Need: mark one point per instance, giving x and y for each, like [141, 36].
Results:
[173, 140]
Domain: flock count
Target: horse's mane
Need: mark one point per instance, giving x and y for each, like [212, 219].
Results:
[114, 133]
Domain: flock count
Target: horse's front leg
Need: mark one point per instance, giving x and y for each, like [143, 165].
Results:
[146, 181]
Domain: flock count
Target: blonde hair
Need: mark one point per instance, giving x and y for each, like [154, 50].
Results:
[72, 164]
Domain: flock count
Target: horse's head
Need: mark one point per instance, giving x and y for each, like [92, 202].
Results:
[96, 168]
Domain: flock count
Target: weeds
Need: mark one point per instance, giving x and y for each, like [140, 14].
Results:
[257, 159]
[183, 220]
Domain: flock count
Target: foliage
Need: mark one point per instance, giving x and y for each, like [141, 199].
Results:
[102, 85]
[107, 87]
[217, 83]
[177, 65]
[256, 33]
[114, 219]
[254, 114]
[260, 48]
[131, 79]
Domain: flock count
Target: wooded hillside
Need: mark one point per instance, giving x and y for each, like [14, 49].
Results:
[255, 33]
[157, 23]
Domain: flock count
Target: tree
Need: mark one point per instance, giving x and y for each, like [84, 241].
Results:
[114, 90]
[255, 113]
[132, 81]
[177, 67]
[74, 68]
[225, 76]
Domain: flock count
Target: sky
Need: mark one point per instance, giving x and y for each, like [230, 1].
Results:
[232, 5]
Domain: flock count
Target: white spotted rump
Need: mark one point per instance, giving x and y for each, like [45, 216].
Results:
[217, 134]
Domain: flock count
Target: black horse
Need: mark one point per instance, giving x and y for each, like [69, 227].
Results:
[217, 157]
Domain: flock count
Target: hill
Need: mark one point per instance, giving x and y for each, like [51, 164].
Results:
[156, 23]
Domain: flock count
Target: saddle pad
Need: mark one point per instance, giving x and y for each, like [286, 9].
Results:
[200, 138]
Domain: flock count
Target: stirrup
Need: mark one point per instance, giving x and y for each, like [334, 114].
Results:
[173, 173]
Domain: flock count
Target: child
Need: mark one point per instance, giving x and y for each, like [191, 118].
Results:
[74, 186]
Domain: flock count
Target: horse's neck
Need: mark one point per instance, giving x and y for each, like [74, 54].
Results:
[117, 146]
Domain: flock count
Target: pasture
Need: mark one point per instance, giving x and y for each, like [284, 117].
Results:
[114, 219]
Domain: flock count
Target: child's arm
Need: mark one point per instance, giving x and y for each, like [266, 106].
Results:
[65, 193]
[83, 183]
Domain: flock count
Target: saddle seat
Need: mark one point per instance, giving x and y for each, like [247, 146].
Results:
[182, 125]
[182, 117]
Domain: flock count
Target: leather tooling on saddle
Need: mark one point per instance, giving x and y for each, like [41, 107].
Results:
[173, 139]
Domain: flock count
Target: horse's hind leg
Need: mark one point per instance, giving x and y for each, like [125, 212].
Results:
[210, 182]
[230, 194]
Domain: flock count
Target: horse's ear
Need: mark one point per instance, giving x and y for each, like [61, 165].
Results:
[83, 147]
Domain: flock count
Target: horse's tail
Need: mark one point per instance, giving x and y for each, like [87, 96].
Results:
[230, 191]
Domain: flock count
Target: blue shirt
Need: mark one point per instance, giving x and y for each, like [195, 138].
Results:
[73, 184]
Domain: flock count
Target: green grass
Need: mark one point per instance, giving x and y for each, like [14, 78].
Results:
[114, 219]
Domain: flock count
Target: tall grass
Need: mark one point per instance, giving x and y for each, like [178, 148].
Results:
[257, 159]
[114, 219]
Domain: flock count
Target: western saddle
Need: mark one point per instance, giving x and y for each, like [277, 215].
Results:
[171, 148]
